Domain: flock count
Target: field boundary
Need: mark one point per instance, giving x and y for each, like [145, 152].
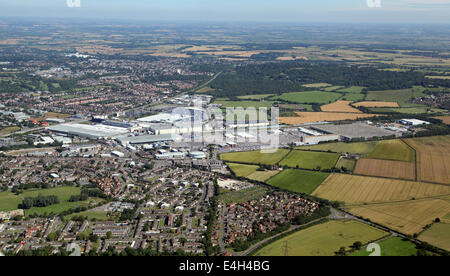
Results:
[395, 201]
[415, 159]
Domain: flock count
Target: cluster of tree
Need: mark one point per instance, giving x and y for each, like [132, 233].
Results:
[257, 236]
[323, 211]
[211, 250]
[39, 201]
[128, 214]
[289, 76]
[87, 193]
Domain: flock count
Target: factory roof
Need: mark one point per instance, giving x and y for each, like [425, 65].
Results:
[146, 139]
[90, 131]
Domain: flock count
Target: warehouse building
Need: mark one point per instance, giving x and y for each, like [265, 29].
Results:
[412, 122]
[147, 139]
[313, 140]
[89, 131]
[170, 155]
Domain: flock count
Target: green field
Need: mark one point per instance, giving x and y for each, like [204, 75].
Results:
[340, 147]
[242, 170]
[331, 88]
[323, 239]
[92, 216]
[10, 201]
[307, 107]
[401, 96]
[255, 157]
[392, 150]
[386, 149]
[298, 181]
[243, 195]
[391, 247]
[262, 176]
[353, 97]
[318, 97]
[438, 235]
[353, 89]
[310, 160]
[251, 172]
[408, 110]
[348, 164]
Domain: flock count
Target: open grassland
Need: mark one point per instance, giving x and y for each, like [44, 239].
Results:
[352, 189]
[438, 235]
[407, 110]
[262, 176]
[310, 160]
[391, 247]
[255, 157]
[242, 170]
[408, 217]
[353, 97]
[401, 96]
[445, 119]
[323, 239]
[315, 117]
[433, 158]
[251, 172]
[341, 147]
[9, 130]
[348, 164]
[353, 89]
[386, 168]
[243, 195]
[331, 88]
[392, 150]
[53, 115]
[10, 201]
[318, 97]
[91, 215]
[299, 181]
[340, 106]
[376, 104]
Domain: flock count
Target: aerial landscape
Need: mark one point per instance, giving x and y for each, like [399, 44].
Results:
[223, 138]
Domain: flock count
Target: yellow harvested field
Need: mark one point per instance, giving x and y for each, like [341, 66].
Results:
[53, 115]
[340, 106]
[315, 117]
[352, 189]
[439, 77]
[433, 158]
[386, 168]
[445, 119]
[242, 54]
[376, 104]
[317, 85]
[407, 217]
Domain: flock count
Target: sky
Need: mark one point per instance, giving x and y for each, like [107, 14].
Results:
[348, 11]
